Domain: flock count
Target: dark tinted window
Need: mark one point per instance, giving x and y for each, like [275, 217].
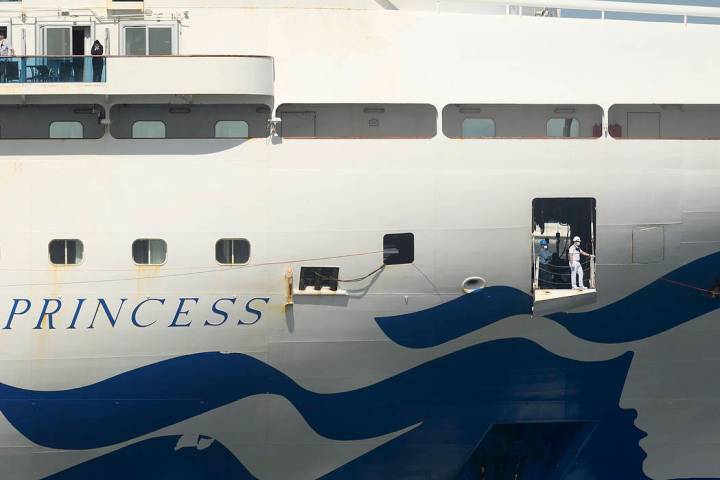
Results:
[65, 252]
[149, 251]
[318, 277]
[232, 251]
[398, 248]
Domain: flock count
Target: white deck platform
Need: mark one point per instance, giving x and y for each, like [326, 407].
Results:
[551, 301]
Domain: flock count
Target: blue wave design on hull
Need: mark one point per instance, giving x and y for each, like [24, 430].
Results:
[139, 401]
[453, 319]
[455, 398]
[157, 458]
[656, 308]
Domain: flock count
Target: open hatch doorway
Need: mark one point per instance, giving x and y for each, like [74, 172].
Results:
[557, 284]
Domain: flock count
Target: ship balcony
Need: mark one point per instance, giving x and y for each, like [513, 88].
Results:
[137, 75]
[551, 296]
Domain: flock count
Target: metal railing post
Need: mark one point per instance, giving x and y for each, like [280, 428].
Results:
[592, 272]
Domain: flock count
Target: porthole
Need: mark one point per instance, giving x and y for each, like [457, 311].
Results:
[149, 251]
[65, 252]
[232, 251]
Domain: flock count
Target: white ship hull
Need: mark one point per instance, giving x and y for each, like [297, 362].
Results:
[193, 368]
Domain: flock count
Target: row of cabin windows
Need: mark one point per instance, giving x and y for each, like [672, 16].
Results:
[471, 128]
[554, 128]
[398, 248]
[157, 129]
[141, 39]
[372, 121]
[149, 129]
[150, 251]
[126, 121]
[377, 121]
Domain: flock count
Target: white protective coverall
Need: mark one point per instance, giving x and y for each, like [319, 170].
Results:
[575, 267]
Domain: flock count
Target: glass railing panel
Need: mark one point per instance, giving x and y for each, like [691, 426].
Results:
[53, 69]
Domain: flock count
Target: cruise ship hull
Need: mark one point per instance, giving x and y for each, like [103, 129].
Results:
[192, 368]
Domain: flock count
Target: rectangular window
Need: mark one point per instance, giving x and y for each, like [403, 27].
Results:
[478, 127]
[149, 251]
[490, 120]
[135, 41]
[65, 252]
[148, 129]
[57, 40]
[355, 120]
[149, 40]
[66, 130]
[232, 251]
[160, 41]
[563, 127]
[231, 129]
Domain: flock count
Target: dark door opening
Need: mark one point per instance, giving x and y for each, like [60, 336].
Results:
[78, 40]
[80, 35]
[526, 451]
[563, 246]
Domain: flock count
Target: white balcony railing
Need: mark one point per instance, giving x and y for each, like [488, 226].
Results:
[555, 8]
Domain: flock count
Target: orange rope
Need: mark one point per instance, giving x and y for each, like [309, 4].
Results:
[704, 290]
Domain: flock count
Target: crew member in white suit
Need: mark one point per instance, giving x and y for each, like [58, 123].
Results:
[6, 50]
[576, 270]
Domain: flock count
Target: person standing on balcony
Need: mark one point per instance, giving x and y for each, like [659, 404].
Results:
[6, 50]
[576, 270]
[98, 62]
[544, 264]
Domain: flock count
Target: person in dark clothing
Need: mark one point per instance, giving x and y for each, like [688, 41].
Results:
[98, 62]
[546, 269]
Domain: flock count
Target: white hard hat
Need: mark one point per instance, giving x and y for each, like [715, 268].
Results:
[576, 239]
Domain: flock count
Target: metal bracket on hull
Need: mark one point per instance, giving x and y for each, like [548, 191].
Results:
[288, 288]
